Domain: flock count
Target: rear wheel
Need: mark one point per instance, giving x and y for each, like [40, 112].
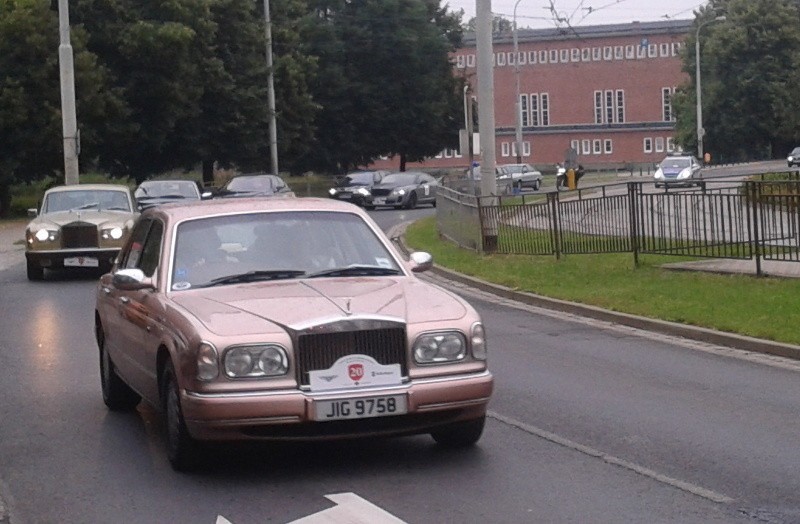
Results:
[35, 271]
[117, 395]
[460, 434]
[412, 201]
[182, 449]
[537, 184]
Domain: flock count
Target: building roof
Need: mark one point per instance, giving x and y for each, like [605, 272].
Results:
[584, 32]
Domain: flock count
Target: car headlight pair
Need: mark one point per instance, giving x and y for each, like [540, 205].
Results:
[400, 192]
[256, 361]
[112, 233]
[449, 346]
[686, 173]
[46, 235]
[363, 191]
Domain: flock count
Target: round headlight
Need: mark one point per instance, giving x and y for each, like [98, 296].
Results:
[439, 347]
[115, 233]
[42, 235]
[401, 192]
[238, 362]
[272, 361]
[207, 365]
[332, 191]
[362, 191]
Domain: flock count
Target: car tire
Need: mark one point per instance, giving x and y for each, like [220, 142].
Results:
[369, 207]
[433, 203]
[182, 450]
[35, 271]
[117, 395]
[537, 184]
[412, 201]
[460, 434]
[398, 207]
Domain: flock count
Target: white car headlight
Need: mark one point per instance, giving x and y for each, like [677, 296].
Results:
[362, 191]
[434, 348]
[332, 191]
[790, 158]
[46, 235]
[478, 340]
[269, 360]
[686, 173]
[400, 192]
[659, 174]
[113, 233]
[207, 362]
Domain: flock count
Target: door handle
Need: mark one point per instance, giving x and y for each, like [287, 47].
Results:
[124, 300]
[106, 290]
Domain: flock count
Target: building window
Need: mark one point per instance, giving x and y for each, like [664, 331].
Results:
[652, 51]
[666, 104]
[564, 55]
[526, 149]
[534, 109]
[470, 60]
[597, 53]
[460, 61]
[501, 59]
[670, 144]
[545, 103]
[587, 144]
[510, 59]
[619, 52]
[575, 54]
[586, 54]
[514, 148]
[575, 145]
[523, 110]
[597, 147]
[641, 50]
[532, 57]
[438, 155]
[505, 149]
[630, 53]
[663, 50]
[448, 153]
[648, 145]
[609, 107]
[608, 53]
[676, 48]
[659, 144]
[620, 106]
[607, 146]
[554, 56]
[598, 107]
[543, 57]
[522, 58]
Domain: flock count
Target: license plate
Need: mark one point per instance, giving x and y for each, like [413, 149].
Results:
[379, 201]
[344, 409]
[346, 196]
[81, 262]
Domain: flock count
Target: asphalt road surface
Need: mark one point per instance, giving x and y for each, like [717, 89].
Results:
[590, 423]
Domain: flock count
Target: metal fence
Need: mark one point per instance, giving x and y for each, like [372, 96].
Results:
[720, 219]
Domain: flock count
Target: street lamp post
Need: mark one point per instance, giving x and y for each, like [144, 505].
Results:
[700, 131]
[517, 105]
[273, 128]
[69, 120]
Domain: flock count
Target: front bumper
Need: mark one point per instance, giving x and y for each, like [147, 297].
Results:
[385, 200]
[347, 196]
[54, 259]
[289, 415]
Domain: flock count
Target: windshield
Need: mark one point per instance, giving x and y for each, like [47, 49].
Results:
[357, 178]
[246, 184]
[157, 189]
[517, 168]
[400, 179]
[97, 199]
[287, 245]
[676, 163]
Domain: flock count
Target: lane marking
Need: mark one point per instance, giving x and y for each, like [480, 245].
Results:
[688, 487]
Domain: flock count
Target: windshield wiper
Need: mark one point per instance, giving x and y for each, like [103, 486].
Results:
[255, 276]
[354, 270]
[86, 206]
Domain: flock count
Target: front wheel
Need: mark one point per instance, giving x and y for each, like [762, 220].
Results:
[35, 271]
[412, 201]
[117, 395]
[537, 184]
[460, 434]
[182, 449]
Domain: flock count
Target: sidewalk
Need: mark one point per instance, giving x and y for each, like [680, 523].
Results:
[771, 268]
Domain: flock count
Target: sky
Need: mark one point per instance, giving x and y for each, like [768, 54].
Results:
[537, 13]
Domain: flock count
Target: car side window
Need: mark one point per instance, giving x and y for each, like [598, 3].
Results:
[151, 253]
[130, 259]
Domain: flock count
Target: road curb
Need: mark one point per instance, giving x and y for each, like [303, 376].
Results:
[710, 336]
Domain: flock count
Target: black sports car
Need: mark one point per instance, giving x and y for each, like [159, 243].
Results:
[254, 185]
[407, 189]
[355, 187]
[156, 192]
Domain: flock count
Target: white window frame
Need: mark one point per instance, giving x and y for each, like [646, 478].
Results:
[505, 149]
[448, 153]
[576, 145]
[670, 144]
[641, 51]
[544, 108]
[510, 58]
[608, 146]
[554, 56]
[597, 146]
[524, 110]
[659, 144]
[586, 54]
[532, 57]
[586, 146]
[514, 148]
[608, 53]
[543, 56]
[608, 103]
[619, 106]
[460, 61]
[663, 50]
[470, 60]
[575, 54]
[647, 145]
[440, 154]
[630, 52]
[619, 52]
[526, 149]
[667, 115]
[563, 56]
[501, 59]
[652, 51]
[597, 54]
[522, 58]
[535, 108]
[598, 107]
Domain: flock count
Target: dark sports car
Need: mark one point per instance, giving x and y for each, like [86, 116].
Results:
[156, 192]
[400, 190]
[254, 185]
[354, 187]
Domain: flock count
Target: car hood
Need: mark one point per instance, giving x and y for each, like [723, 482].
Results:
[669, 170]
[392, 186]
[98, 218]
[267, 307]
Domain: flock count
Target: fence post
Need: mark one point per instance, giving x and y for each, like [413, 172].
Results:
[752, 190]
[555, 234]
[480, 221]
[634, 221]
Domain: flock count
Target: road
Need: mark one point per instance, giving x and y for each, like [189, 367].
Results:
[590, 423]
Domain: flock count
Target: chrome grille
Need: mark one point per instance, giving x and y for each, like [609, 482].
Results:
[317, 351]
[381, 191]
[79, 234]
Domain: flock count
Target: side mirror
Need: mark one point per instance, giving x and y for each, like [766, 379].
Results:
[33, 212]
[421, 261]
[205, 195]
[131, 280]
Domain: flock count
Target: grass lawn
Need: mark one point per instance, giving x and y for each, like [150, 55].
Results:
[767, 308]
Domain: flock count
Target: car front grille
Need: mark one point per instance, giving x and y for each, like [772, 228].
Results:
[319, 351]
[380, 191]
[79, 234]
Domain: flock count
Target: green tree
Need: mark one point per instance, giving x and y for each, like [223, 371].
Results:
[751, 93]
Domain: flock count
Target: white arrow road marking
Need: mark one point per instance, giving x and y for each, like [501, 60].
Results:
[349, 509]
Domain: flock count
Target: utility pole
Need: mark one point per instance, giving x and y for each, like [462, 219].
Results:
[517, 104]
[69, 120]
[701, 132]
[273, 128]
[483, 9]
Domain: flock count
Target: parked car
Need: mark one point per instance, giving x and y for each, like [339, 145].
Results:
[407, 189]
[678, 170]
[355, 187]
[78, 226]
[254, 184]
[794, 157]
[285, 319]
[156, 192]
[521, 175]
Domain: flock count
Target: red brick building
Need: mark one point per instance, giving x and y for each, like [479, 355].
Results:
[603, 90]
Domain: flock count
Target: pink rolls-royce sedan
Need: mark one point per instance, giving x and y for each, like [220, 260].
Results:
[285, 319]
